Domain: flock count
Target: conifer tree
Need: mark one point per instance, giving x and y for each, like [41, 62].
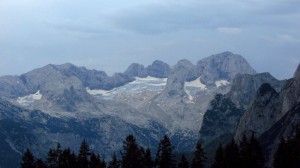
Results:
[288, 152]
[219, 158]
[183, 162]
[164, 156]
[40, 164]
[244, 142]
[132, 156]
[199, 157]
[84, 153]
[281, 159]
[96, 162]
[52, 159]
[147, 159]
[114, 163]
[28, 160]
[232, 155]
[251, 153]
[68, 159]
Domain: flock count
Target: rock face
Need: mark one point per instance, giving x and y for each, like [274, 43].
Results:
[225, 65]
[245, 86]
[227, 110]
[261, 114]
[158, 69]
[268, 107]
[284, 128]
[136, 70]
[273, 115]
[183, 71]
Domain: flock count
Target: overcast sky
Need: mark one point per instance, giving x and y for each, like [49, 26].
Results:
[110, 35]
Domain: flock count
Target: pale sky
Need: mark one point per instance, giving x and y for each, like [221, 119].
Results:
[110, 35]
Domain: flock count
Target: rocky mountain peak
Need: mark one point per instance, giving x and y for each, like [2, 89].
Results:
[184, 63]
[136, 70]
[225, 65]
[159, 69]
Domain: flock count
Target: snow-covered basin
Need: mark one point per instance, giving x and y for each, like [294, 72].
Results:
[26, 100]
[137, 86]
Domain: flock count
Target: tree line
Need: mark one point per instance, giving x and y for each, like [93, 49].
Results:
[247, 153]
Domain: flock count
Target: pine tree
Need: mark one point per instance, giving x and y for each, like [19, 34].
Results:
[68, 159]
[183, 162]
[199, 157]
[28, 160]
[232, 155]
[244, 143]
[114, 163]
[281, 159]
[84, 153]
[54, 157]
[251, 153]
[164, 156]
[288, 152]
[132, 156]
[219, 158]
[40, 164]
[147, 159]
[96, 161]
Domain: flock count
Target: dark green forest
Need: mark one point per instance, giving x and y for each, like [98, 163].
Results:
[247, 153]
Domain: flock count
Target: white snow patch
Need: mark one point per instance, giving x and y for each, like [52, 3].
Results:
[195, 83]
[221, 83]
[97, 91]
[26, 100]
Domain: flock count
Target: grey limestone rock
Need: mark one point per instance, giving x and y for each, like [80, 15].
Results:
[158, 69]
[225, 65]
[136, 70]
[229, 108]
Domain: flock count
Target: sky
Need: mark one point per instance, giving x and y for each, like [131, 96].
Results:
[110, 35]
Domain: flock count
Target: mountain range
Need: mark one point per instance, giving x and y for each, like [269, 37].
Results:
[221, 95]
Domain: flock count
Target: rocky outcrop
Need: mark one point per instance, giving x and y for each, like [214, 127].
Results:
[228, 109]
[284, 128]
[244, 87]
[268, 107]
[183, 71]
[261, 114]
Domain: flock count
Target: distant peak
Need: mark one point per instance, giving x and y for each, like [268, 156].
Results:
[184, 62]
[297, 73]
[158, 62]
